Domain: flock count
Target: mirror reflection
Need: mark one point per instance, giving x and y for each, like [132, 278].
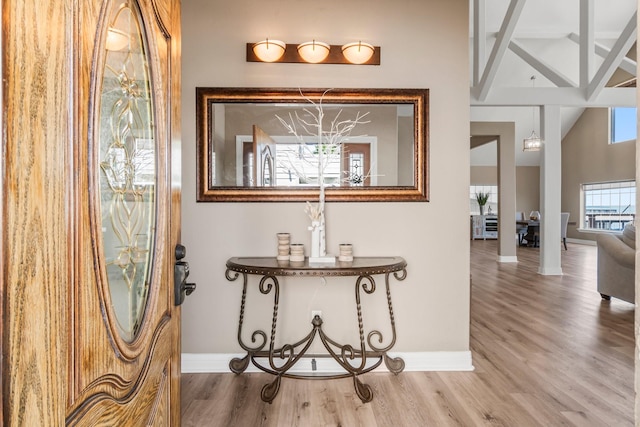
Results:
[263, 144]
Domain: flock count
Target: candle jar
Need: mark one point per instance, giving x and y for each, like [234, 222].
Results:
[297, 252]
[283, 246]
[346, 252]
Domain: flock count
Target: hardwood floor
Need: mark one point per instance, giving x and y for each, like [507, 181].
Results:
[547, 352]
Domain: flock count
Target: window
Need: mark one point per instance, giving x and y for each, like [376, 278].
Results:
[623, 124]
[286, 163]
[297, 165]
[608, 205]
[492, 203]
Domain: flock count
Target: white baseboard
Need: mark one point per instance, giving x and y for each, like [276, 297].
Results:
[550, 271]
[414, 361]
[507, 258]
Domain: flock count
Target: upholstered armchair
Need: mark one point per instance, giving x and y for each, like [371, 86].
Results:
[616, 264]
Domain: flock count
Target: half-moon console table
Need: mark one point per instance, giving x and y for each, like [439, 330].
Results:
[353, 359]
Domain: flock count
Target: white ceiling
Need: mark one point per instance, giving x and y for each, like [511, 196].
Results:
[542, 37]
[553, 17]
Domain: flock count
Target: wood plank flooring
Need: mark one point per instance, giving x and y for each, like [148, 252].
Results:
[547, 352]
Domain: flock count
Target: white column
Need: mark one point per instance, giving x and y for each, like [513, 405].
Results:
[550, 190]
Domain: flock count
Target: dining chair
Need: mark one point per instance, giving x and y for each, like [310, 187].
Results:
[564, 221]
[535, 218]
[521, 229]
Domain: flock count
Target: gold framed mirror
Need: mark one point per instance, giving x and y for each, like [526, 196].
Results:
[384, 157]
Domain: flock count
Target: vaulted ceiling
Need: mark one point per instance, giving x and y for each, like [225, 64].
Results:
[581, 53]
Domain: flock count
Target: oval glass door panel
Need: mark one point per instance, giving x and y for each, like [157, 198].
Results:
[127, 158]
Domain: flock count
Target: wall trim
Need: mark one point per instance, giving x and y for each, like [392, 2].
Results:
[507, 258]
[414, 361]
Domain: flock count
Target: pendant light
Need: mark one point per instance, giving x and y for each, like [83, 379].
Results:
[533, 142]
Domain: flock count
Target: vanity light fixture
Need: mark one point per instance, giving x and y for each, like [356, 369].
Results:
[313, 51]
[533, 142]
[358, 52]
[269, 50]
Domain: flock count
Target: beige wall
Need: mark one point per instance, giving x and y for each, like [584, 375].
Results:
[484, 175]
[527, 184]
[527, 189]
[432, 305]
[588, 157]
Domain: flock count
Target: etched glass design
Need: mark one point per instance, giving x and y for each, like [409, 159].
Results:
[127, 159]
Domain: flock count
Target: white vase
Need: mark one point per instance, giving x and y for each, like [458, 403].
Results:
[316, 246]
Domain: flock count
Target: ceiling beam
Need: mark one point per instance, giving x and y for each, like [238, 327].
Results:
[586, 41]
[619, 50]
[479, 39]
[564, 96]
[627, 64]
[500, 47]
[543, 68]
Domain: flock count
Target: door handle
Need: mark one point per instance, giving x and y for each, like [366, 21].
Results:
[180, 274]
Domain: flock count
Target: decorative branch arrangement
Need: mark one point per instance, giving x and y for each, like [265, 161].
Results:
[328, 143]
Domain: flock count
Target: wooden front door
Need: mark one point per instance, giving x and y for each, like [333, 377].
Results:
[90, 212]
[264, 158]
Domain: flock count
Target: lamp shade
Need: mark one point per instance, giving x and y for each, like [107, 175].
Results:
[269, 50]
[358, 52]
[313, 51]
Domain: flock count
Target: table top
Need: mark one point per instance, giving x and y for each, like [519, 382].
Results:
[528, 222]
[359, 266]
